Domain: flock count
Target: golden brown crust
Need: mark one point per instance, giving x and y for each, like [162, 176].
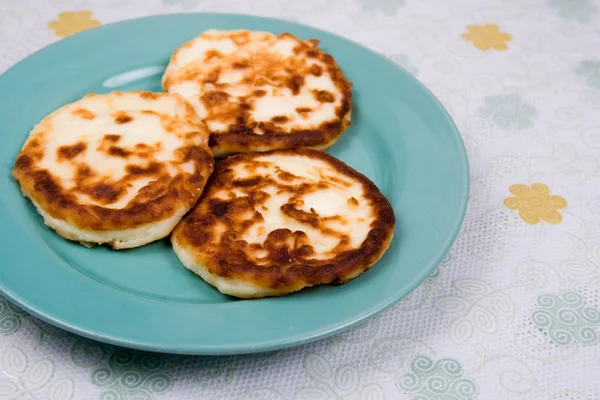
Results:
[264, 69]
[158, 200]
[288, 263]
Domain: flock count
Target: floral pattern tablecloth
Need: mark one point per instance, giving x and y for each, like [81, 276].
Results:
[513, 311]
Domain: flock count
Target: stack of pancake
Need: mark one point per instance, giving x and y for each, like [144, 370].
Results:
[272, 215]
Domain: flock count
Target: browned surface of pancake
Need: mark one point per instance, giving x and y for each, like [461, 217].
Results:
[286, 264]
[158, 200]
[264, 71]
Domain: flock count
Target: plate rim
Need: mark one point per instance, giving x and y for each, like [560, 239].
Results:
[296, 339]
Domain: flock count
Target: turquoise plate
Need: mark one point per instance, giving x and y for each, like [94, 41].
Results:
[401, 138]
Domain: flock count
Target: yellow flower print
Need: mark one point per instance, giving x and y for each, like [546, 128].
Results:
[69, 23]
[535, 203]
[486, 37]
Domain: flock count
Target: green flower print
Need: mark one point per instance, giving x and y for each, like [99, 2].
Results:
[437, 381]
[591, 71]
[387, 6]
[132, 375]
[567, 319]
[10, 317]
[508, 112]
[580, 10]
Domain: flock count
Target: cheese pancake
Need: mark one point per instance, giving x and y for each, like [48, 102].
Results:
[257, 92]
[119, 168]
[272, 223]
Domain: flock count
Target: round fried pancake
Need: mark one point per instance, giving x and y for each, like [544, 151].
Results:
[120, 168]
[272, 223]
[257, 92]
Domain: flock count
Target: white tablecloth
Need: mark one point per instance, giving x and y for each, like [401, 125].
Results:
[514, 309]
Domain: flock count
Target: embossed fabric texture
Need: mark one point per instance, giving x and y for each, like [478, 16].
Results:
[513, 311]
